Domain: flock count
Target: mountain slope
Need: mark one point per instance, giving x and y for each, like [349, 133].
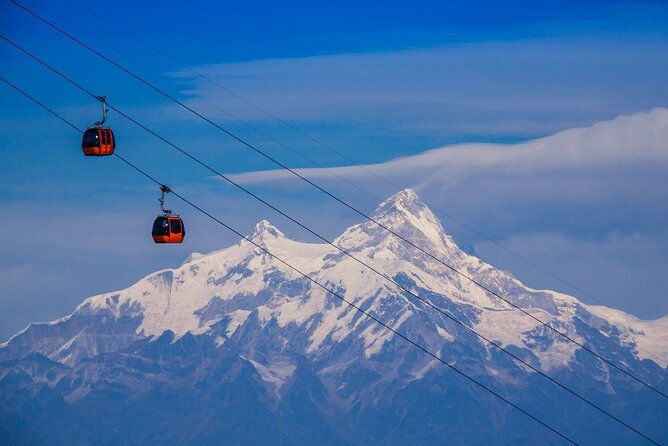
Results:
[237, 332]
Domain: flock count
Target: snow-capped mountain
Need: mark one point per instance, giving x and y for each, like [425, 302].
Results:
[238, 345]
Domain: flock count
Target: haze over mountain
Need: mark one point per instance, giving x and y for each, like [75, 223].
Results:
[235, 346]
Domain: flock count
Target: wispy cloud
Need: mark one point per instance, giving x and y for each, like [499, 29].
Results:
[527, 87]
[639, 138]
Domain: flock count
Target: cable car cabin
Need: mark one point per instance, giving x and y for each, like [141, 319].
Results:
[98, 141]
[168, 229]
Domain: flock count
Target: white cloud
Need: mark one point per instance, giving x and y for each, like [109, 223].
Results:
[640, 138]
[526, 87]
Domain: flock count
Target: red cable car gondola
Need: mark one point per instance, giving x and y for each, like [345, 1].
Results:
[98, 140]
[167, 228]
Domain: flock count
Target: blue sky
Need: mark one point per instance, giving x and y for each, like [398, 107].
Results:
[372, 82]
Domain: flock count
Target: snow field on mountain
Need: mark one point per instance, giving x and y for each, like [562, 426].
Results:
[243, 283]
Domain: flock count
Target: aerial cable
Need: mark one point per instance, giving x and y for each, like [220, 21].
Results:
[309, 278]
[317, 141]
[336, 198]
[425, 301]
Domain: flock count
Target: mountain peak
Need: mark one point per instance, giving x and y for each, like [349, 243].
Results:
[405, 208]
[405, 195]
[404, 214]
[264, 230]
[405, 201]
